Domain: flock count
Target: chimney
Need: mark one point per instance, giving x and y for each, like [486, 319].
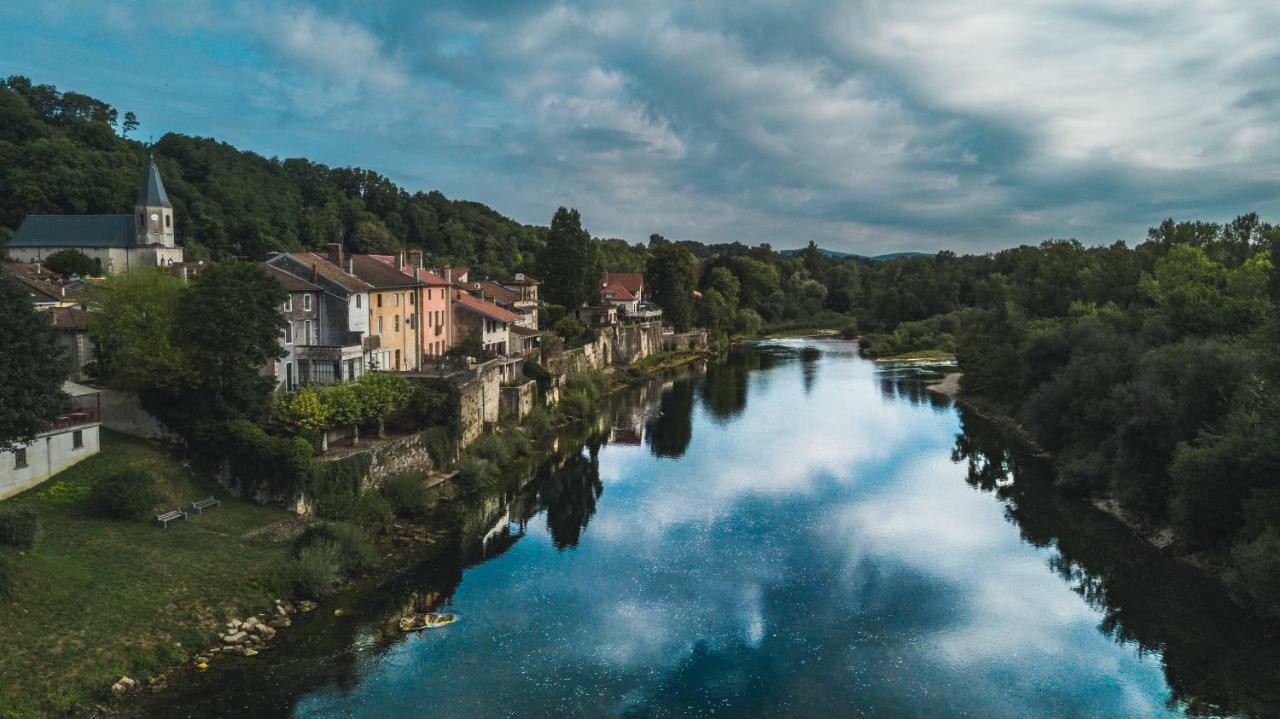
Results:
[335, 253]
[448, 274]
[400, 261]
[351, 265]
[315, 272]
[415, 258]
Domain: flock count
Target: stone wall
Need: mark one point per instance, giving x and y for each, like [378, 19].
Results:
[691, 340]
[516, 402]
[479, 401]
[123, 412]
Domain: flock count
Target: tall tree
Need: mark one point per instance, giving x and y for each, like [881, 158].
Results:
[669, 281]
[32, 368]
[132, 323]
[570, 272]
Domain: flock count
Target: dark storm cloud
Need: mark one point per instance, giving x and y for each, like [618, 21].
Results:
[864, 126]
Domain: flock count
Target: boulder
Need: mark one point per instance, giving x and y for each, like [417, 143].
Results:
[234, 638]
[249, 653]
[280, 622]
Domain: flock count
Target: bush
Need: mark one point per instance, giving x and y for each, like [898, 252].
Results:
[314, 572]
[477, 472]
[1257, 572]
[538, 425]
[129, 494]
[355, 554]
[373, 510]
[407, 495]
[500, 447]
[441, 445]
[575, 404]
[569, 328]
[18, 527]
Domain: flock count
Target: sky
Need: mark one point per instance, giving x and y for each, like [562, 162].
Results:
[866, 126]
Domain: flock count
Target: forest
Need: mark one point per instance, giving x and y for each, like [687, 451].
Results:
[1148, 372]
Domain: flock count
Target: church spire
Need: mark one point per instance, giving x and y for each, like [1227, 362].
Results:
[153, 194]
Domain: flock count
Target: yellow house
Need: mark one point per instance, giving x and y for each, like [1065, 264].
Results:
[393, 313]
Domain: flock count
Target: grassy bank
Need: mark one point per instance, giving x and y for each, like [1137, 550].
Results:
[99, 598]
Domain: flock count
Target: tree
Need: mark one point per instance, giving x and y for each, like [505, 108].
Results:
[129, 125]
[343, 406]
[73, 262]
[669, 280]
[303, 411]
[570, 272]
[32, 368]
[229, 330]
[132, 321]
[381, 394]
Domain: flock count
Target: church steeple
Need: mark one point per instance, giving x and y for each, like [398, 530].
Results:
[153, 215]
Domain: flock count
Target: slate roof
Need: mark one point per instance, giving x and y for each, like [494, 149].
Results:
[497, 293]
[329, 270]
[153, 194]
[488, 309]
[75, 231]
[291, 282]
[379, 274]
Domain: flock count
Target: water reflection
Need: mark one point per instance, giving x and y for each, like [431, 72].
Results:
[773, 551]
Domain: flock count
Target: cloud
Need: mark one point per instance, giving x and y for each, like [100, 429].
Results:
[866, 126]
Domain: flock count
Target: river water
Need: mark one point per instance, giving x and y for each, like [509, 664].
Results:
[792, 533]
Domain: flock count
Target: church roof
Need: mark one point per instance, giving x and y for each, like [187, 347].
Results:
[153, 194]
[75, 231]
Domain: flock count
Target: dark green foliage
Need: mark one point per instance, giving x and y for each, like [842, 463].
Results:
[1256, 571]
[355, 554]
[256, 459]
[18, 527]
[569, 328]
[32, 368]
[315, 571]
[539, 374]
[670, 281]
[501, 447]
[576, 404]
[435, 403]
[568, 264]
[441, 444]
[477, 472]
[6, 578]
[373, 511]
[407, 495]
[334, 486]
[130, 494]
[538, 425]
[73, 262]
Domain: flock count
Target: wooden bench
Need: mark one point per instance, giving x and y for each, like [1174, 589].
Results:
[200, 506]
[164, 519]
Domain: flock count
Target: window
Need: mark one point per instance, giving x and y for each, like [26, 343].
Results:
[379, 325]
[357, 301]
[288, 304]
[411, 300]
[288, 333]
[396, 323]
[379, 300]
[77, 439]
[306, 303]
[307, 337]
[20, 458]
[168, 221]
[288, 375]
[395, 299]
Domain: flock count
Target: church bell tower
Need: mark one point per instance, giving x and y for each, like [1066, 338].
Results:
[152, 214]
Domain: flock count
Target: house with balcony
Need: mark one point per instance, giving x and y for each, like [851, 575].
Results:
[336, 345]
[70, 439]
[510, 299]
[486, 321]
[625, 290]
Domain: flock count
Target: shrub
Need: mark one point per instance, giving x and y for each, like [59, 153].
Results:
[538, 424]
[500, 447]
[407, 495]
[477, 472]
[314, 572]
[355, 554]
[1257, 572]
[575, 404]
[18, 527]
[373, 510]
[128, 494]
[569, 328]
[441, 445]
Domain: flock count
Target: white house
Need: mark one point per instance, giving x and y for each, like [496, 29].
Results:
[72, 438]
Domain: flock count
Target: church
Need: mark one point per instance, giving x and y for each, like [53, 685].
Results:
[120, 242]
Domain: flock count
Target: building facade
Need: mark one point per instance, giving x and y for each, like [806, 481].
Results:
[120, 242]
[71, 439]
[336, 345]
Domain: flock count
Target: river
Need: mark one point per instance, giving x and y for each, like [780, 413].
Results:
[792, 533]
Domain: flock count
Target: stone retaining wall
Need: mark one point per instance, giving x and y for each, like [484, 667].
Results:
[517, 401]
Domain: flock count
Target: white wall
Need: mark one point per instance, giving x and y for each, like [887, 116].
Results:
[358, 318]
[49, 454]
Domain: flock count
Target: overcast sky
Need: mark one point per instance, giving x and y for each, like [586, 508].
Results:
[867, 126]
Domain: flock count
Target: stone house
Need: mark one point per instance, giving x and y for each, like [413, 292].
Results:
[120, 242]
[340, 310]
[488, 322]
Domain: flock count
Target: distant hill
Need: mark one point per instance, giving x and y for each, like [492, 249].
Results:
[875, 258]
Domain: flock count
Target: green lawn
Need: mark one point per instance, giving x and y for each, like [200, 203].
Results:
[99, 598]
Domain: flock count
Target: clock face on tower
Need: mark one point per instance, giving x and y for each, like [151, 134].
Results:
[155, 217]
